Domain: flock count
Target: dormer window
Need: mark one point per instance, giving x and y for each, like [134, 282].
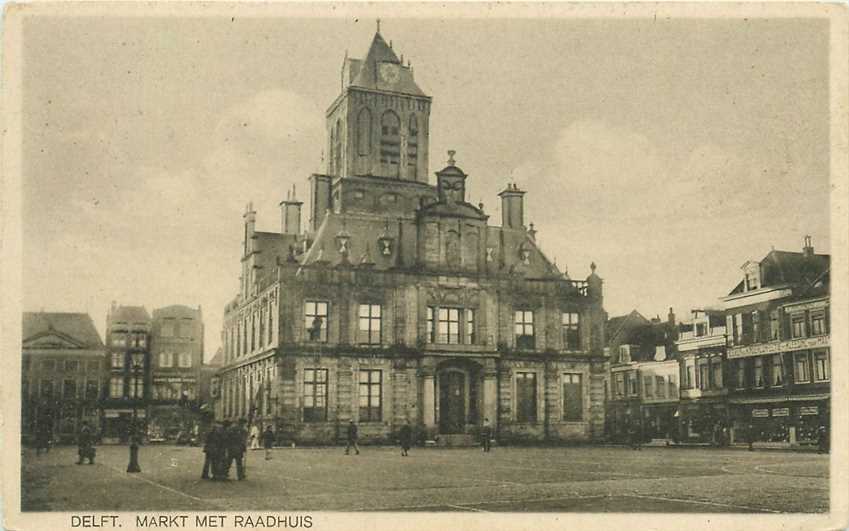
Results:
[752, 276]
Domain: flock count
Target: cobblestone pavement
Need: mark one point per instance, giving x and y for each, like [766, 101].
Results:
[379, 479]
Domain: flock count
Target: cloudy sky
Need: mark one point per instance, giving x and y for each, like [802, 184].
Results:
[668, 151]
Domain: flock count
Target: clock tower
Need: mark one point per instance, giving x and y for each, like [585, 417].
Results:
[378, 125]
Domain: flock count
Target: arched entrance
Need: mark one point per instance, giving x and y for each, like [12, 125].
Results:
[458, 395]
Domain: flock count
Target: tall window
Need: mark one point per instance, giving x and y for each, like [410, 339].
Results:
[390, 143]
[802, 373]
[774, 330]
[756, 326]
[777, 370]
[526, 397]
[448, 330]
[370, 324]
[620, 384]
[69, 389]
[371, 384]
[119, 339]
[704, 376]
[364, 132]
[139, 340]
[315, 315]
[738, 328]
[431, 325]
[168, 325]
[116, 387]
[166, 359]
[660, 386]
[818, 327]
[315, 395]
[569, 331]
[797, 325]
[821, 366]
[412, 147]
[716, 368]
[262, 326]
[136, 387]
[672, 381]
[740, 371]
[573, 406]
[648, 387]
[337, 149]
[524, 328]
[759, 372]
[91, 389]
[185, 359]
[690, 376]
[632, 383]
[117, 360]
[471, 337]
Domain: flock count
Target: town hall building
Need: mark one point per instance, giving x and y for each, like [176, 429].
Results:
[400, 302]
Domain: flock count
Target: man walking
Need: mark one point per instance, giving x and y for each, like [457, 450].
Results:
[236, 447]
[254, 437]
[750, 436]
[85, 444]
[405, 437]
[486, 435]
[268, 441]
[352, 438]
[211, 446]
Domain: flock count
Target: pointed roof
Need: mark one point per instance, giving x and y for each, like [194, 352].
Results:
[368, 74]
[75, 326]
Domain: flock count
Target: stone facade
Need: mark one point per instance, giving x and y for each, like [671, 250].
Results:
[400, 302]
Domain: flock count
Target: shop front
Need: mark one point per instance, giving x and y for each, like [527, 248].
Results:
[793, 422]
[702, 421]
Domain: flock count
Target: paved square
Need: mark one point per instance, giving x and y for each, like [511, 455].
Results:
[380, 479]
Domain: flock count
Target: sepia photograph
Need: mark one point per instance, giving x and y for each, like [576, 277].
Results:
[281, 261]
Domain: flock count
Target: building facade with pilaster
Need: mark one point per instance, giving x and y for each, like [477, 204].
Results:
[399, 301]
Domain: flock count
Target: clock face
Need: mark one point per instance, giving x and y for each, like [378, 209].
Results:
[389, 72]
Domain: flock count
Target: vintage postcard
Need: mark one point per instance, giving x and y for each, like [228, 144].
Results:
[426, 266]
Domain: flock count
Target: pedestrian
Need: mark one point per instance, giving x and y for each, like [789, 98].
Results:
[211, 446]
[254, 437]
[822, 439]
[268, 441]
[405, 437]
[85, 444]
[42, 436]
[750, 437]
[486, 435]
[352, 438]
[236, 448]
[222, 452]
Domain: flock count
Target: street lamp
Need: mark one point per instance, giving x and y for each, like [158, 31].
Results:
[135, 433]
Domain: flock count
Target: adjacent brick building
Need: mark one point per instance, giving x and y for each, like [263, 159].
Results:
[400, 301]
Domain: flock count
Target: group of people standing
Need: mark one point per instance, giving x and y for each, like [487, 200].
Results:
[225, 444]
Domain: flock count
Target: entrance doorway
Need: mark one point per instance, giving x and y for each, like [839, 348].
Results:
[452, 402]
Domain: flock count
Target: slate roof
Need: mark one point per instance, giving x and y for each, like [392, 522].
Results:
[77, 326]
[368, 75]
[130, 314]
[785, 267]
[615, 325]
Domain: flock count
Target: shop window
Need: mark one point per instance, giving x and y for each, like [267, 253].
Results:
[573, 406]
[524, 329]
[315, 318]
[371, 384]
[821, 366]
[526, 397]
[801, 372]
[369, 324]
[315, 395]
[570, 330]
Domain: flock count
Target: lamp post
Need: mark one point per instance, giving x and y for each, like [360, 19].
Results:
[135, 433]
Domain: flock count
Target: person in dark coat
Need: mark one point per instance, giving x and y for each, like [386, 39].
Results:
[352, 438]
[486, 435]
[236, 447]
[405, 437]
[268, 441]
[42, 436]
[750, 437]
[211, 444]
[85, 444]
[218, 451]
[822, 439]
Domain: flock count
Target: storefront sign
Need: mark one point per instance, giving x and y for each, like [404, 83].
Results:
[760, 412]
[807, 306]
[809, 410]
[779, 346]
[781, 412]
[114, 413]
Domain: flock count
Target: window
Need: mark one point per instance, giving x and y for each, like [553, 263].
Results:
[470, 327]
[740, 371]
[69, 390]
[139, 340]
[390, 143]
[716, 377]
[818, 323]
[801, 374]
[431, 325]
[759, 372]
[738, 328]
[91, 389]
[48, 365]
[364, 132]
[315, 314]
[136, 387]
[185, 359]
[673, 386]
[315, 395]
[72, 365]
[797, 325]
[167, 329]
[262, 326]
[648, 387]
[756, 326]
[119, 339]
[821, 366]
[524, 328]
[690, 375]
[704, 376]
[573, 405]
[660, 386]
[701, 329]
[370, 325]
[117, 360]
[569, 322]
[166, 359]
[620, 384]
[412, 147]
[777, 370]
[526, 397]
[448, 330]
[116, 387]
[370, 392]
[774, 330]
[47, 388]
[632, 383]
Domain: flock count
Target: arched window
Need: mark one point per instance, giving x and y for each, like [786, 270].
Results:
[412, 147]
[337, 149]
[364, 132]
[390, 143]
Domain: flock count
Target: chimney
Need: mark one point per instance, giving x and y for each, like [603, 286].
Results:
[250, 227]
[808, 249]
[512, 207]
[290, 213]
[319, 199]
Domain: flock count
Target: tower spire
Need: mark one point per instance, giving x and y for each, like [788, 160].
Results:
[378, 26]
